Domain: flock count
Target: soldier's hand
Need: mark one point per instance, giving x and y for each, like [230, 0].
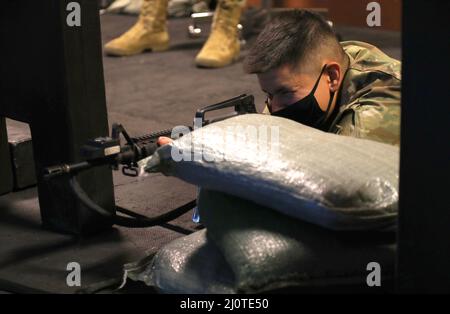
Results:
[162, 140]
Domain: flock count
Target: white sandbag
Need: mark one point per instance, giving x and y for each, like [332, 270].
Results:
[190, 265]
[334, 181]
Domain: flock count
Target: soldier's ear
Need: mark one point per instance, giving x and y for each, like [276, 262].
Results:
[334, 74]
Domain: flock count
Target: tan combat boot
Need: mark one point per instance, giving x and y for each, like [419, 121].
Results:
[222, 46]
[149, 32]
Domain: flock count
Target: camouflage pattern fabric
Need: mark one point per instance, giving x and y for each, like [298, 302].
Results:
[370, 95]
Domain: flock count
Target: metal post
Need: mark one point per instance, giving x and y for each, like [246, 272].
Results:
[6, 177]
[53, 79]
[424, 224]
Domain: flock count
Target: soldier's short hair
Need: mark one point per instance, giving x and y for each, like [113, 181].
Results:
[296, 37]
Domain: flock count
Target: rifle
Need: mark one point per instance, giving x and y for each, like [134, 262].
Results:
[108, 151]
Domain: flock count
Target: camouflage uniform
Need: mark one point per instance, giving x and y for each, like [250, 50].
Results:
[369, 95]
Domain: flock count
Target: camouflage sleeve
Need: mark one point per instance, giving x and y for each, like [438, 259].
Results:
[374, 118]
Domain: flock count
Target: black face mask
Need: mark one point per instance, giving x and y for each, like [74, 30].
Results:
[307, 111]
